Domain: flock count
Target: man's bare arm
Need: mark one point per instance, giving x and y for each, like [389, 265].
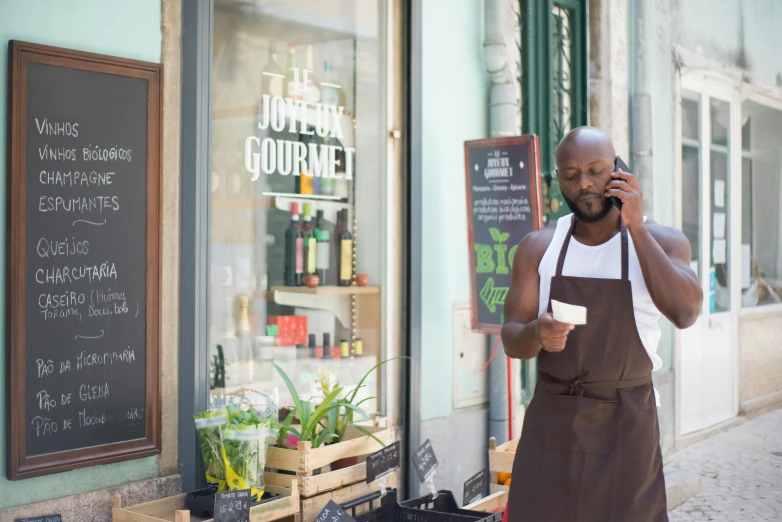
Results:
[664, 254]
[520, 336]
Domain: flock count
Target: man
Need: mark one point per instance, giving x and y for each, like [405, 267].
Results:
[589, 449]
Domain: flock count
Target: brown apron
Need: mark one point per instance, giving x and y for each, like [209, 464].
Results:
[590, 445]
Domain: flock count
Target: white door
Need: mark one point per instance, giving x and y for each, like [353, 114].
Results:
[710, 217]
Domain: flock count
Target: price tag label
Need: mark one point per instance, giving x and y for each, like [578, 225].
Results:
[44, 518]
[383, 462]
[334, 513]
[425, 461]
[233, 506]
[475, 487]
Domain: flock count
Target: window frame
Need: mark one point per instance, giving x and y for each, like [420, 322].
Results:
[195, 224]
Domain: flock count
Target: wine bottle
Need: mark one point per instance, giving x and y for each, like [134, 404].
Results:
[310, 243]
[272, 75]
[294, 249]
[322, 255]
[319, 221]
[292, 80]
[312, 92]
[345, 252]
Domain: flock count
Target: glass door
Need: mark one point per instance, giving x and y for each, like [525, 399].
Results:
[707, 350]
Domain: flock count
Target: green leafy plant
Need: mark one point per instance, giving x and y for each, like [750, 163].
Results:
[328, 422]
[311, 418]
[208, 428]
[345, 420]
[245, 452]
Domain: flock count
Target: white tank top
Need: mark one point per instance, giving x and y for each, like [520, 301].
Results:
[603, 261]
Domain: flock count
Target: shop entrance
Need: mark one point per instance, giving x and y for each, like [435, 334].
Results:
[709, 215]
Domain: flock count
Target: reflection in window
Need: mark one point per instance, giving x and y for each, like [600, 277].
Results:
[298, 154]
[761, 269]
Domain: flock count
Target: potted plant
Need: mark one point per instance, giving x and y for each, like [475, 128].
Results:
[328, 422]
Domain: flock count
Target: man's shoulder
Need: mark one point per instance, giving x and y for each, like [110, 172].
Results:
[664, 235]
[535, 244]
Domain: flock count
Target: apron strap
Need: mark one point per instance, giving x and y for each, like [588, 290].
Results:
[625, 250]
[625, 255]
[563, 251]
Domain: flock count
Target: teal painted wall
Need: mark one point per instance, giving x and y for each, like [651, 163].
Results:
[126, 28]
[455, 109]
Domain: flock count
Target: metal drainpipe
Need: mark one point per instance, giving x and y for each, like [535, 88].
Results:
[502, 122]
[641, 110]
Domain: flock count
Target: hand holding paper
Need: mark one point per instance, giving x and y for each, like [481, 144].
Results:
[552, 334]
[567, 313]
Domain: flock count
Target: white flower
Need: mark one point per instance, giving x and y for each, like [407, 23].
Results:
[326, 380]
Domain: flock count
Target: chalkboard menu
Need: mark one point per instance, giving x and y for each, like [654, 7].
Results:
[503, 205]
[83, 260]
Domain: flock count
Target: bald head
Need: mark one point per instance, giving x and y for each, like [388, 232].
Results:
[584, 141]
[585, 160]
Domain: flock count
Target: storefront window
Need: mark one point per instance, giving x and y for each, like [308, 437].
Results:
[761, 271]
[297, 205]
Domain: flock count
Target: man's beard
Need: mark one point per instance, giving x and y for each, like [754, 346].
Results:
[593, 217]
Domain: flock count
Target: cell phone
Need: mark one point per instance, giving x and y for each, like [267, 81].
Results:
[619, 164]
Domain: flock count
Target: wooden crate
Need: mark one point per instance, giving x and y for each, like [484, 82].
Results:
[305, 460]
[173, 509]
[491, 503]
[311, 507]
[500, 459]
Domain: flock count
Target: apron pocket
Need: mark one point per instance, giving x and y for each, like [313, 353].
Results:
[577, 424]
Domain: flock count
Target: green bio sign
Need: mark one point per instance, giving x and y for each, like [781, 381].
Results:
[503, 205]
[494, 259]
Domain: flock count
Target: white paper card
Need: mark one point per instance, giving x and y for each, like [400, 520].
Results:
[746, 266]
[719, 252]
[719, 193]
[719, 225]
[568, 313]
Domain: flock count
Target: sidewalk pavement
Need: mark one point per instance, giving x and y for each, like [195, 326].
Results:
[740, 472]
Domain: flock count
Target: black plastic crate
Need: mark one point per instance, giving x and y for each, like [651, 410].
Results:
[201, 502]
[445, 503]
[387, 509]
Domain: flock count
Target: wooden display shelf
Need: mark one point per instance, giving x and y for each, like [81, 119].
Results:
[305, 460]
[325, 290]
[173, 509]
[311, 507]
[500, 460]
[494, 503]
[335, 299]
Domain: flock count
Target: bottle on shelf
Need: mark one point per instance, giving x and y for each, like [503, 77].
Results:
[358, 347]
[310, 242]
[344, 349]
[345, 239]
[331, 89]
[244, 338]
[312, 91]
[292, 79]
[322, 255]
[326, 346]
[272, 75]
[320, 222]
[312, 345]
[294, 249]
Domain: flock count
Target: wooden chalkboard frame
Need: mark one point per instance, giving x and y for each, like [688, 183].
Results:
[20, 466]
[532, 142]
